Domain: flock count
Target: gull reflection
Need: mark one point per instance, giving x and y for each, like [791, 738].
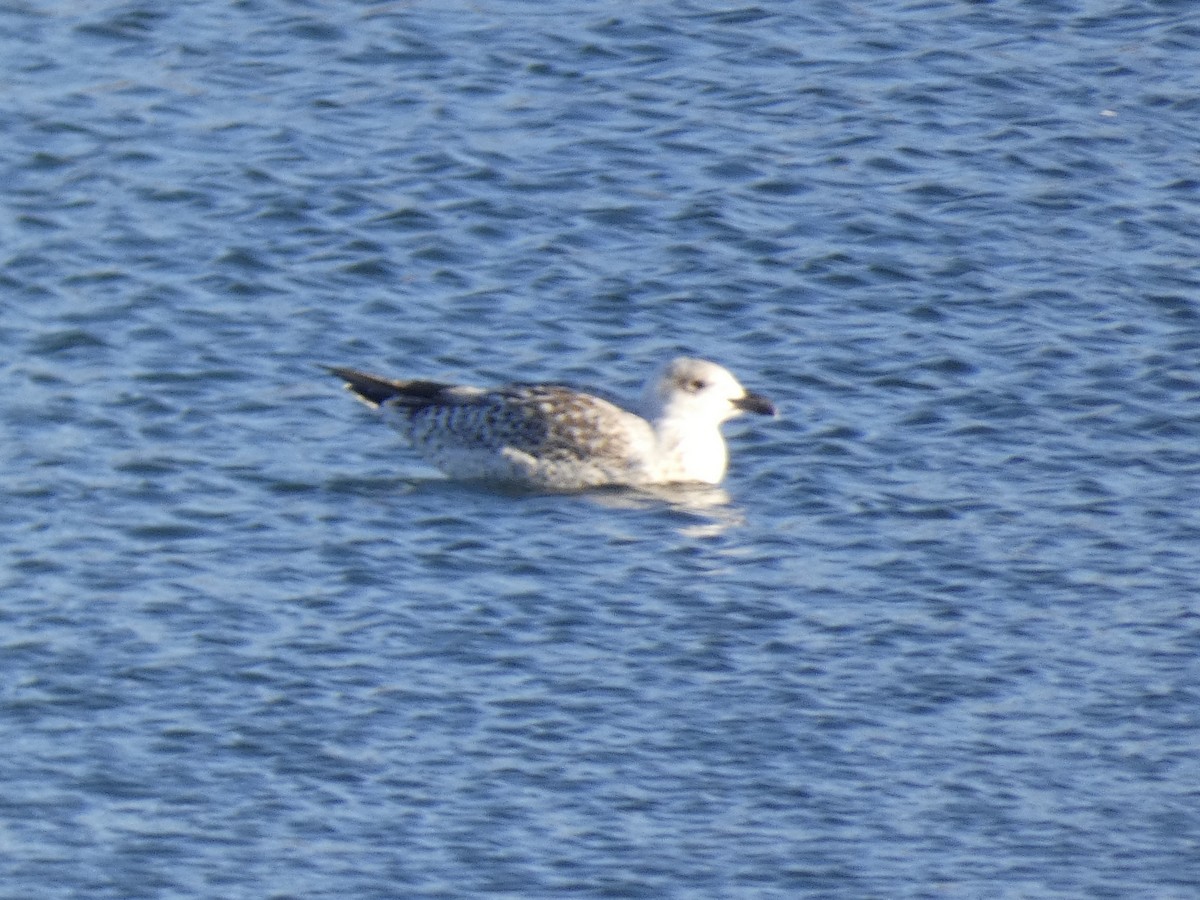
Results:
[708, 509]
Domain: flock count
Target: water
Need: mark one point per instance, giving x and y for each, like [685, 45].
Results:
[936, 635]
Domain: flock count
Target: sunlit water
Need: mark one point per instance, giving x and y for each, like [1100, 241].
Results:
[937, 633]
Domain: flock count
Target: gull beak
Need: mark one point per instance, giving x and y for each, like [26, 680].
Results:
[755, 403]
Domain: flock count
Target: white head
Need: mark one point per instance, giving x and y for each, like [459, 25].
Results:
[686, 403]
[700, 391]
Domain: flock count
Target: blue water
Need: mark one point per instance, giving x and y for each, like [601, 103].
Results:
[938, 634]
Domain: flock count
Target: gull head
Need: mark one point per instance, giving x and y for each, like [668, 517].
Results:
[700, 391]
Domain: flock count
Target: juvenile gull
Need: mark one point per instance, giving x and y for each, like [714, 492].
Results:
[560, 438]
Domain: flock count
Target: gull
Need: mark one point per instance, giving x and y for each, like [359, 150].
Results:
[556, 437]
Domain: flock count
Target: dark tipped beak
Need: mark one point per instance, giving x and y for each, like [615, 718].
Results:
[755, 403]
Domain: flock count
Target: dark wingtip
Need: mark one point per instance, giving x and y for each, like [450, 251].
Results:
[371, 388]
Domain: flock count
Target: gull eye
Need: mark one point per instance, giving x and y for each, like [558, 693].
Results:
[696, 385]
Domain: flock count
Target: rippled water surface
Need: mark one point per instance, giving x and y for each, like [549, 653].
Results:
[936, 635]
